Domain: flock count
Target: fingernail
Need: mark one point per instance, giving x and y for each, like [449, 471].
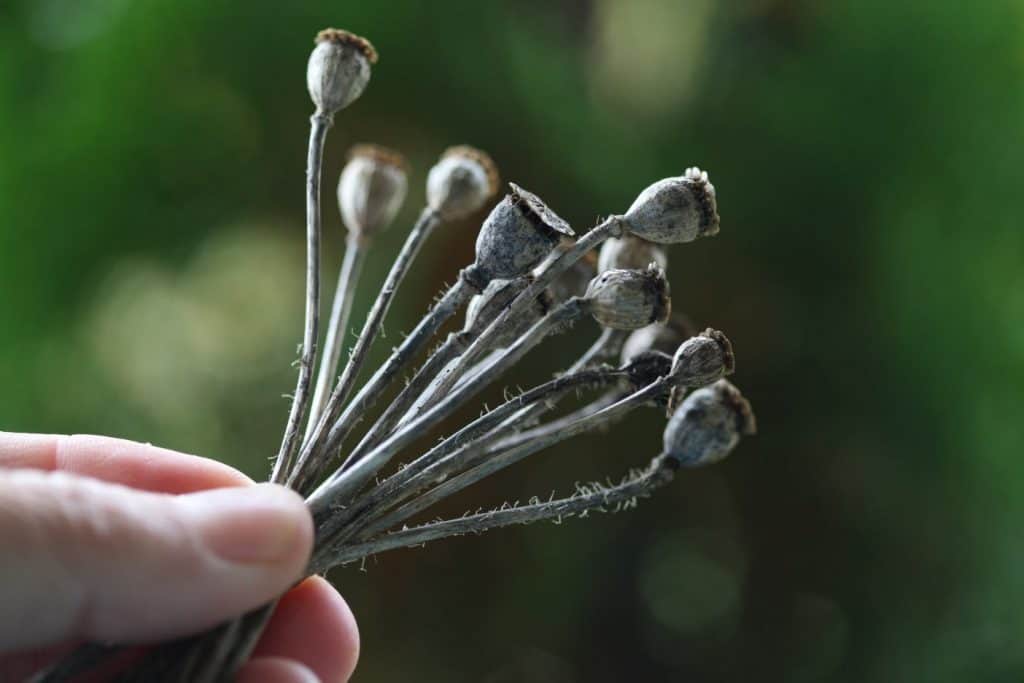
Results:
[251, 524]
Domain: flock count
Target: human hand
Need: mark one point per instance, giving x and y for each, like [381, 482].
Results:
[105, 539]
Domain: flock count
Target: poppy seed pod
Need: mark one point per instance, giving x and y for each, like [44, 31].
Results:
[630, 252]
[665, 337]
[629, 299]
[708, 424]
[519, 232]
[675, 210]
[460, 182]
[703, 359]
[338, 69]
[371, 189]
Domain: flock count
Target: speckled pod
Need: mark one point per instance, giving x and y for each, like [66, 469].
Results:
[486, 306]
[630, 252]
[519, 232]
[675, 210]
[371, 189]
[703, 359]
[707, 425]
[338, 69]
[462, 180]
[665, 337]
[629, 299]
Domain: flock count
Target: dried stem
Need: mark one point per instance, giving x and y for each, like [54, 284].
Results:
[341, 488]
[455, 344]
[426, 223]
[453, 299]
[337, 328]
[499, 442]
[604, 347]
[481, 459]
[396, 487]
[320, 123]
[593, 497]
[402, 407]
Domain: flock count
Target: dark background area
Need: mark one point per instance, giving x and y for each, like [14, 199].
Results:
[870, 272]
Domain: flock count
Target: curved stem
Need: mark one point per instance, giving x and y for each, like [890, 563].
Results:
[661, 471]
[320, 123]
[337, 328]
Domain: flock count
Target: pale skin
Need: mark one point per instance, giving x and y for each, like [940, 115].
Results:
[109, 540]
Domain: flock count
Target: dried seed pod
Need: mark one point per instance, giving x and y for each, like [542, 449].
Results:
[699, 361]
[629, 299]
[371, 189]
[630, 252]
[462, 180]
[704, 359]
[675, 210]
[486, 306]
[708, 424]
[665, 337]
[338, 69]
[519, 232]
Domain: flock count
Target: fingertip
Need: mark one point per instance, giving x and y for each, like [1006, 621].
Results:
[275, 670]
[314, 625]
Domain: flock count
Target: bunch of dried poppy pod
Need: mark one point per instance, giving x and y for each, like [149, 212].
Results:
[532, 277]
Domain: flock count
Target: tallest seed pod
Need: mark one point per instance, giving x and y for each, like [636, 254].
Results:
[338, 69]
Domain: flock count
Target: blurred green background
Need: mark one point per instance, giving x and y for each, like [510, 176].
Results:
[870, 271]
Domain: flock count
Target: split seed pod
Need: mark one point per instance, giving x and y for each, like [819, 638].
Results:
[338, 69]
[675, 210]
[462, 180]
[629, 299]
[371, 189]
[519, 232]
[706, 426]
[630, 252]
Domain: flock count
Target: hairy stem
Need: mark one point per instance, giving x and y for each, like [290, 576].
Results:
[455, 344]
[481, 459]
[453, 299]
[340, 489]
[594, 497]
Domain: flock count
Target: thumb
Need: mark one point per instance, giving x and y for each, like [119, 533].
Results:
[88, 559]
